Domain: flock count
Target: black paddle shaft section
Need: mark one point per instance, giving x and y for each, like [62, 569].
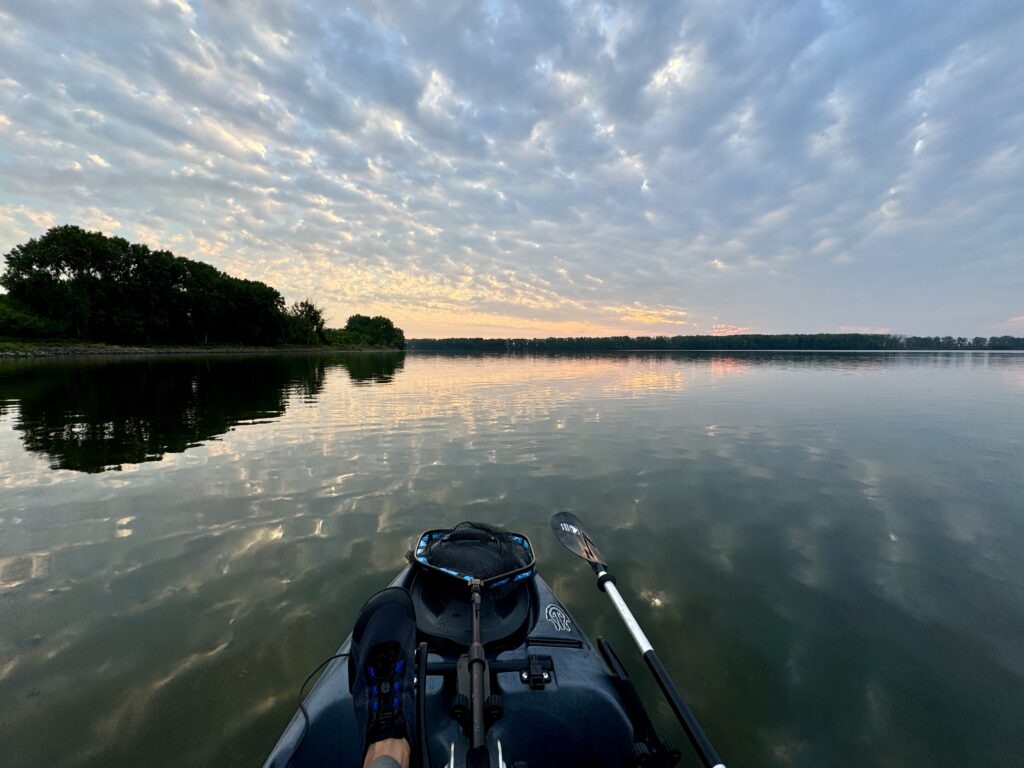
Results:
[686, 718]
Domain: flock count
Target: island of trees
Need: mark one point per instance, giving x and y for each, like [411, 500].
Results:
[746, 341]
[71, 284]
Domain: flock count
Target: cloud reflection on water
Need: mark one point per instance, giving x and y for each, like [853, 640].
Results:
[763, 552]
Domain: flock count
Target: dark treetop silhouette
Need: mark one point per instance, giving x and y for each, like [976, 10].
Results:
[82, 285]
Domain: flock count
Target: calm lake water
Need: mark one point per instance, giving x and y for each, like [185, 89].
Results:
[827, 549]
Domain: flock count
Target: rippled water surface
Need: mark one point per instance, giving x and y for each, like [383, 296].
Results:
[827, 549]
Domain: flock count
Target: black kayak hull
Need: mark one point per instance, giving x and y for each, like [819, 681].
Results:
[562, 700]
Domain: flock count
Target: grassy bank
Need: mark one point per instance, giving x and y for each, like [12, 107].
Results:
[20, 349]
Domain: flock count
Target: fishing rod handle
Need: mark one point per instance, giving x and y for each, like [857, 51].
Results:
[709, 757]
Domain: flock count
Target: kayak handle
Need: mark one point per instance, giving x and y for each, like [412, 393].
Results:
[469, 534]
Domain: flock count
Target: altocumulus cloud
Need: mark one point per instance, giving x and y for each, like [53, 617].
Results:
[505, 168]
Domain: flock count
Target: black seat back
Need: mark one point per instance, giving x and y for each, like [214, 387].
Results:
[443, 610]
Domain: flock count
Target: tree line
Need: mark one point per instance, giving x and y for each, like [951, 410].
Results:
[747, 341]
[86, 286]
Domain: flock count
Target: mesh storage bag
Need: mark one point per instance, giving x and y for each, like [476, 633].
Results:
[477, 551]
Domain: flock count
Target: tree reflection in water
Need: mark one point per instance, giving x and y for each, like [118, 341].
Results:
[99, 414]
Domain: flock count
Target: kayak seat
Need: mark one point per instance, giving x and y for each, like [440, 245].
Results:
[444, 615]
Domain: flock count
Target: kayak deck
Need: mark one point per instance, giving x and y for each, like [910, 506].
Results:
[562, 701]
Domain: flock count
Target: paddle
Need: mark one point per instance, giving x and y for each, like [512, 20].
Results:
[574, 537]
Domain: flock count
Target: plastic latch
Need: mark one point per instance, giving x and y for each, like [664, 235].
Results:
[538, 677]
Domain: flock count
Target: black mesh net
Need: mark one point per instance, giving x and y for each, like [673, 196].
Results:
[479, 550]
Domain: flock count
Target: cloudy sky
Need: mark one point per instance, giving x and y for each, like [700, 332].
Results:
[497, 168]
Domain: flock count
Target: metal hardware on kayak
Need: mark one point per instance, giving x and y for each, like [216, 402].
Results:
[477, 673]
[570, 531]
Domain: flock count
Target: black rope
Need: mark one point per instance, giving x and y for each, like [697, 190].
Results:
[302, 696]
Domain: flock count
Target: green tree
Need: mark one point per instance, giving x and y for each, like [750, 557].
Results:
[99, 288]
[376, 331]
[18, 324]
[306, 324]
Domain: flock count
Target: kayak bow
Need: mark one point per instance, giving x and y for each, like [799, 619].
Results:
[504, 675]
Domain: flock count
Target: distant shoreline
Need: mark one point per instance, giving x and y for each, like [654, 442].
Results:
[21, 350]
[744, 342]
[467, 351]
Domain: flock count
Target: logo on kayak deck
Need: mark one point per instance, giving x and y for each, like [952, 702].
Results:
[558, 618]
[570, 528]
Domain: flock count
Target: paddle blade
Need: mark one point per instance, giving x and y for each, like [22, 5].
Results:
[574, 537]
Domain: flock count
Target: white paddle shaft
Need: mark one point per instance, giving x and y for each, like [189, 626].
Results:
[627, 616]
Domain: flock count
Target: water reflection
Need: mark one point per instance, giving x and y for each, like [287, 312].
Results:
[824, 547]
[374, 368]
[98, 415]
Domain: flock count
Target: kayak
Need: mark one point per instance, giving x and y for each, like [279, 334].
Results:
[504, 675]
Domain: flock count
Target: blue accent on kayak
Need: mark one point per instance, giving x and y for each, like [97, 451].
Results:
[422, 556]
